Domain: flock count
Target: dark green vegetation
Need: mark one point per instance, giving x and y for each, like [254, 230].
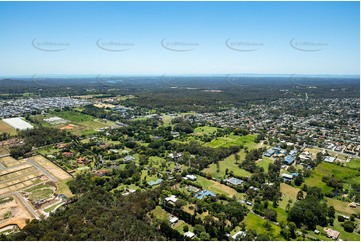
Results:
[156, 92]
[97, 215]
[39, 137]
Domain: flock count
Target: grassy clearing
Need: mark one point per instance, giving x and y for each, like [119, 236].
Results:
[129, 187]
[257, 224]
[5, 128]
[345, 174]
[93, 124]
[233, 140]
[354, 164]
[167, 119]
[264, 163]
[179, 226]
[37, 187]
[62, 188]
[215, 187]
[342, 207]
[160, 213]
[227, 163]
[205, 130]
[43, 193]
[51, 208]
[73, 116]
[288, 192]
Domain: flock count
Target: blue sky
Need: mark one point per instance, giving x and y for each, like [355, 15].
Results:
[263, 38]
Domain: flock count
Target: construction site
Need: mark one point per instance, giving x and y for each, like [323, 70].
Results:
[30, 188]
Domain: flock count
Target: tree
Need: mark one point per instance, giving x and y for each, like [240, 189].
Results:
[198, 229]
[331, 212]
[299, 195]
[348, 226]
[263, 237]
[341, 218]
[292, 228]
[185, 228]
[270, 215]
[204, 236]
[237, 158]
[330, 221]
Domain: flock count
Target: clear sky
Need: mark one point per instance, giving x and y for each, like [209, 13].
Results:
[69, 38]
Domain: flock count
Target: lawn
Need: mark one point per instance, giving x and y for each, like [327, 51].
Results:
[43, 193]
[233, 140]
[5, 128]
[94, 124]
[215, 187]
[73, 116]
[264, 163]
[160, 213]
[51, 208]
[129, 187]
[257, 224]
[345, 174]
[40, 186]
[354, 164]
[179, 226]
[227, 163]
[205, 130]
[166, 120]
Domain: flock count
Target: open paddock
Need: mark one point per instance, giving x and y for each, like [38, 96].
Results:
[5, 128]
[230, 164]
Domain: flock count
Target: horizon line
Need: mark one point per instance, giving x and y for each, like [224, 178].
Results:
[169, 74]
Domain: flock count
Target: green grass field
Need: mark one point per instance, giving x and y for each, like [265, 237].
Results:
[51, 208]
[205, 130]
[345, 174]
[257, 224]
[264, 163]
[167, 119]
[354, 164]
[233, 140]
[160, 213]
[42, 193]
[227, 163]
[73, 116]
[5, 128]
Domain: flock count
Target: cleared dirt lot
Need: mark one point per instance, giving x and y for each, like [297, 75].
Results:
[8, 161]
[13, 212]
[51, 167]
